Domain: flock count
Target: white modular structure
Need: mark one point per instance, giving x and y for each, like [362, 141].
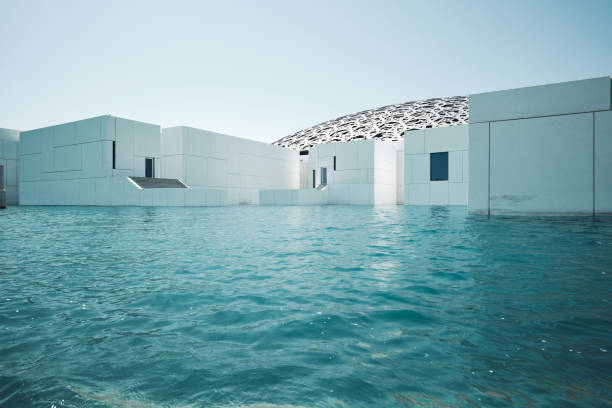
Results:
[542, 149]
[424, 151]
[87, 163]
[9, 145]
[240, 167]
[362, 172]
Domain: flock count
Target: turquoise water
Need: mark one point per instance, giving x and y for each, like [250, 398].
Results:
[303, 306]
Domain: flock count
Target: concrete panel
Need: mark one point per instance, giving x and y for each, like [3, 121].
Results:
[64, 135]
[325, 150]
[414, 142]
[219, 146]
[103, 191]
[90, 130]
[146, 197]
[117, 190]
[124, 144]
[478, 184]
[10, 173]
[29, 167]
[603, 162]
[47, 151]
[10, 150]
[146, 140]
[457, 194]
[339, 194]
[407, 170]
[67, 158]
[365, 158]
[446, 139]
[420, 168]
[172, 167]
[347, 156]
[438, 193]
[92, 159]
[455, 167]
[87, 192]
[361, 194]
[542, 164]
[195, 171]
[29, 142]
[417, 194]
[216, 173]
[195, 197]
[172, 141]
[176, 197]
[545, 100]
[161, 197]
[12, 196]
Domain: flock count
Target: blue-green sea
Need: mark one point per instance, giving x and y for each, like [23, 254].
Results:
[327, 306]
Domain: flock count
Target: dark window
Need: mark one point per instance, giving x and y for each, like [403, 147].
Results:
[114, 155]
[149, 168]
[334, 163]
[303, 152]
[324, 175]
[439, 166]
[314, 178]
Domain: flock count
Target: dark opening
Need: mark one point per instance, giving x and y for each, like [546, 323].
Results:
[149, 168]
[438, 166]
[324, 175]
[334, 163]
[303, 152]
[314, 178]
[114, 155]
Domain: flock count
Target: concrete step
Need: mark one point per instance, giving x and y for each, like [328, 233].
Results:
[148, 182]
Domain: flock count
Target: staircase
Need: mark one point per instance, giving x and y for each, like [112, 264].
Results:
[148, 182]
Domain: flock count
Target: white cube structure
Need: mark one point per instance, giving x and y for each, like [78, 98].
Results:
[87, 162]
[9, 144]
[420, 188]
[362, 172]
[543, 149]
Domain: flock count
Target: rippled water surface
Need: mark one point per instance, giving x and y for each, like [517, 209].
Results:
[303, 306]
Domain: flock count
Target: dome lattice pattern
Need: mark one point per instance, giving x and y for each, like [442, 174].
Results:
[385, 123]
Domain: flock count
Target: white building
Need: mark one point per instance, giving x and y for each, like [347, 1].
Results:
[9, 143]
[544, 149]
[436, 170]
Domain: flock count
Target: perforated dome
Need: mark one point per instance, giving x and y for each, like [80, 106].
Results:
[385, 123]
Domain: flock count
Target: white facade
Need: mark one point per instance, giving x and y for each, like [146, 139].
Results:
[294, 197]
[544, 149]
[419, 189]
[365, 173]
[9, 144]
[241, 167]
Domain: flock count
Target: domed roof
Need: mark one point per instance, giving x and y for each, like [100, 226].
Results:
[385, 123]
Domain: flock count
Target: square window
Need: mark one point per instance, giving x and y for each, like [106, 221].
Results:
[438, 166]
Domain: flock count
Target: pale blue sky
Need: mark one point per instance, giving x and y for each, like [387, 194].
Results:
[265, 69]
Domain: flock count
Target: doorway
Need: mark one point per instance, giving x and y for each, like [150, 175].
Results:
[149, 167]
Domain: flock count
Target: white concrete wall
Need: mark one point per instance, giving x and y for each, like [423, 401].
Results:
[71, 163]
[418, 146]
[366, 172]
[9, 145]
[549, 154]
[586, 95]
[203, 159]
[293, 197]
